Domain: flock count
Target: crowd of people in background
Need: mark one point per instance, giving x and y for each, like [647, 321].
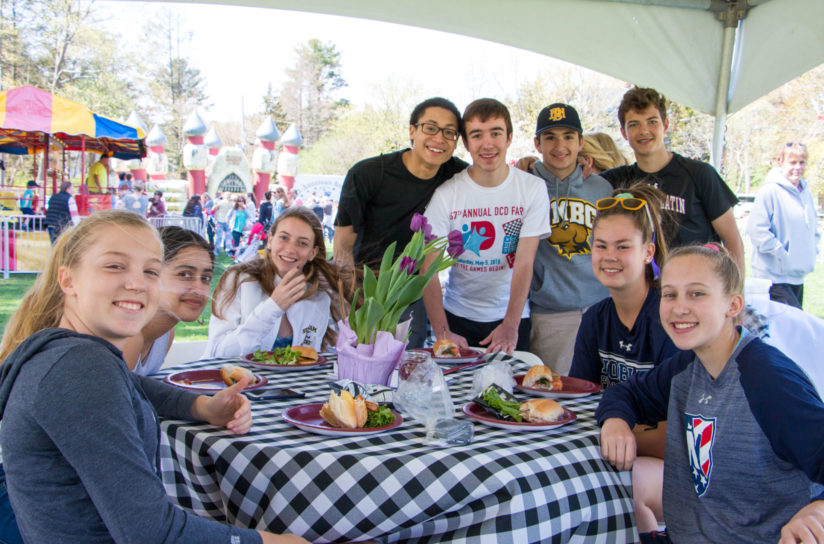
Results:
[626, 274]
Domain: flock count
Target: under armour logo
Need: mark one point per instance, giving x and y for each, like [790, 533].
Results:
[705, 399]
[624, 346]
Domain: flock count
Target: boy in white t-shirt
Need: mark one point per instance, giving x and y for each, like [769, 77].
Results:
[502, 213]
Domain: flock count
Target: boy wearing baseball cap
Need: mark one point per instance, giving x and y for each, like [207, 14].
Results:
[563, 284]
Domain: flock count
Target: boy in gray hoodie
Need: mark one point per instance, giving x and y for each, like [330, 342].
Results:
[563, 284]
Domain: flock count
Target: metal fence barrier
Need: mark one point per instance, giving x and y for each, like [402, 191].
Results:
[189, 223]
[24, 244]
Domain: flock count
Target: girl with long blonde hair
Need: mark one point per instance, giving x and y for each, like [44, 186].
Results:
[77, 423]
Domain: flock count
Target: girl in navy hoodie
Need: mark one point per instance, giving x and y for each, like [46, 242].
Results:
[622, 335]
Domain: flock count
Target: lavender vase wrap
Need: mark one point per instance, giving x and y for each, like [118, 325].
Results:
[370, 363]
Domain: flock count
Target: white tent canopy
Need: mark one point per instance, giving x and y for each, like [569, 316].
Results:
[716, 56]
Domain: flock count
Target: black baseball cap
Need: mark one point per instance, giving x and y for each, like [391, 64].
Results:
[32, 183]
[558, 115]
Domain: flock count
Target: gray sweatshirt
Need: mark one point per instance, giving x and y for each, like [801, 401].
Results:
[80, 441]
[563, 279]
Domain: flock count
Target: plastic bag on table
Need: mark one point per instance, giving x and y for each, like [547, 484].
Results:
[424, 396]
[497, 372]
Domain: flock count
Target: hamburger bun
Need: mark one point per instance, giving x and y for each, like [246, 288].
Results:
[344, 412]
[446, 348]
[541, 411]
[306, 354]
[542, 377]
[231, 374]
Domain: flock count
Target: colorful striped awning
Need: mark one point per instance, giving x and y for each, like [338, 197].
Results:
[30, 117]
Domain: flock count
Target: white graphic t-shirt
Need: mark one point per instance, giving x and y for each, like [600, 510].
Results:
[491, 220]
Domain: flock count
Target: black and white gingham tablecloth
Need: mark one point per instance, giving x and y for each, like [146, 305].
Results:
[520, 487]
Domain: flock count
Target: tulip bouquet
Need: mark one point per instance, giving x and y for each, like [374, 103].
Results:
[398, 284]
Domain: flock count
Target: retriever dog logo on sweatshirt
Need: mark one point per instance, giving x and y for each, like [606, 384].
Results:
[571, 222]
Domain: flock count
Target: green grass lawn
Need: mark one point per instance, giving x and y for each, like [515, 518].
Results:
[14, 288]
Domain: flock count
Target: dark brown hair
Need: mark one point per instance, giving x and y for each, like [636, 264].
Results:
[484, 109]
[654, 200]
[639, 99]
[337, 281]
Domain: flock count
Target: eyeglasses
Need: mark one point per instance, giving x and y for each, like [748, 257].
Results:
[432, 129]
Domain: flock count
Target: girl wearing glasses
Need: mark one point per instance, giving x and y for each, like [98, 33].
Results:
[622, 335]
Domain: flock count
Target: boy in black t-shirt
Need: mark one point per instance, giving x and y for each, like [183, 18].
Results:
[697, 197]
[381, 194]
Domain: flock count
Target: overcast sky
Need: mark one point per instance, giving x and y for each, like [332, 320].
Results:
[240, 50]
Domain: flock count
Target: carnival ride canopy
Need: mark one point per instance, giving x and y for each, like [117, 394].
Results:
[32, 119]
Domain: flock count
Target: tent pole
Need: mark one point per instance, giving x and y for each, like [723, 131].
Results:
[82, 161]
[46, 162]
[730, 19]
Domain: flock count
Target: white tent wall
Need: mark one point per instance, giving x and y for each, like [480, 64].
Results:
[675, 46]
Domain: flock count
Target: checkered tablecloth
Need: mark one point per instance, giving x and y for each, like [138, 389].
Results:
[521, 487]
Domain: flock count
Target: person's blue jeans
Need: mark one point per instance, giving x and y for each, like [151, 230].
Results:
[222, 237]
[9, 533]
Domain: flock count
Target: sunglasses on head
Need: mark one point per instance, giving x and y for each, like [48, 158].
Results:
[631, 203]
[626, 200]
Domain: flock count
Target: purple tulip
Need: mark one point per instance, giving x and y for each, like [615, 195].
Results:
[408, 265]
[455, 238]
[418, 222]
[455, 251]
[455, 248]
[427, 233]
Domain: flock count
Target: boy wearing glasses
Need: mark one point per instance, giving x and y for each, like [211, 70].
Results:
[696, 196]
[563, 284]
[381, 194]
[502, 213]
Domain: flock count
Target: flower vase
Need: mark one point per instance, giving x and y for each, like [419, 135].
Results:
[369, 363]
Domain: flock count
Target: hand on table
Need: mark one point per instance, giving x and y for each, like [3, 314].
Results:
[228, 408]
[291, 287]
[806, 526]
[618, 443]
[504, 337]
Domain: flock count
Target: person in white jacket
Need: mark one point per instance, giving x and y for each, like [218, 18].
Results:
[284, 298]
[783, 227]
